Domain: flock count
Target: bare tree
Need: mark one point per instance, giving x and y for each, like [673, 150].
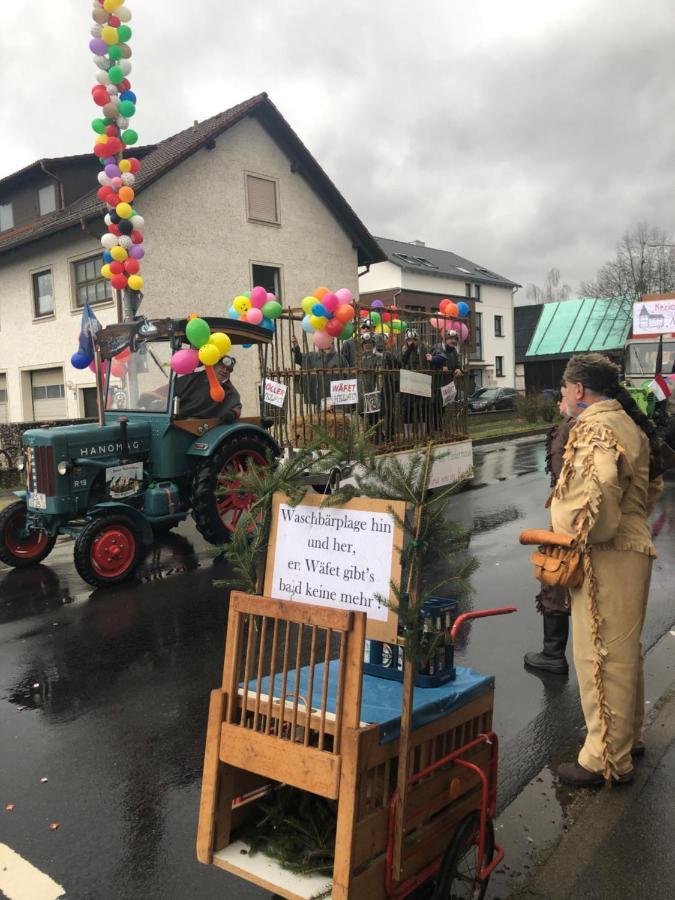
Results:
[552, 290]
[644, 264]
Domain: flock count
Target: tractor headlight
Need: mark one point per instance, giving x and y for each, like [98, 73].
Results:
[63, 467]
[21, 464]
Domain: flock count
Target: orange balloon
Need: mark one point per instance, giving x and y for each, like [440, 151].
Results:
[216, 391]
[344, 313]
[321, 292]
[193, 316]
[126, 194]
[451, 309]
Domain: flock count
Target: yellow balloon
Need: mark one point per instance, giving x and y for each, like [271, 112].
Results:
[112, 5]
[109, 35]
[221, 341]
[124, 210]
[119, 254]
[241, 304]
[209, 355]
[105, 270]
[135, 282]
[318, 322]
[124, 165]
[308, 304]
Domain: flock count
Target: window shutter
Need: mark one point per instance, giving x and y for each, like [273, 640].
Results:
[262, 199]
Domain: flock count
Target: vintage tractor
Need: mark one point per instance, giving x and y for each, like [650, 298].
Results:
[141, 468]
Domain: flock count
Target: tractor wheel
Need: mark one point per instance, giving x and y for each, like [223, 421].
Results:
[216, 514]
[19, 548]
[108, 549]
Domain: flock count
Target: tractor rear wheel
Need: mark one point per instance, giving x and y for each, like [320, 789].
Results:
[19, 547]
[217, 505]
[108, 549]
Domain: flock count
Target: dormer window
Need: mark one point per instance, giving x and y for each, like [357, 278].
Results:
[47, 199]
[6, 216]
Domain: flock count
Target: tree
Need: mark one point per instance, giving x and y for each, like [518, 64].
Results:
[644, 264]
[552, 290]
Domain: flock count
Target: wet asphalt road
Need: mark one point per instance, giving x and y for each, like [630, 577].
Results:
[105, 694]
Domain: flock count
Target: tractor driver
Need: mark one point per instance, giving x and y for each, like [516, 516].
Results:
[195, 398]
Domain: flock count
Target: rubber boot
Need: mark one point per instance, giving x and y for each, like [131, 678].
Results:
[552, 657]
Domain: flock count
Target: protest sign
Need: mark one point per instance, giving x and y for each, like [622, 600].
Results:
[448, 393]
[654, 314]
[415, 383]
[372, 402]
[344, 392]
[275, 393]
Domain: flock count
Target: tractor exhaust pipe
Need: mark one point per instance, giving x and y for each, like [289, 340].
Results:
[124, 438]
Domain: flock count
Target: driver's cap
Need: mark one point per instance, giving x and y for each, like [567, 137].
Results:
[228, 361]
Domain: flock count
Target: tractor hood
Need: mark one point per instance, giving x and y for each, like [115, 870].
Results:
[90, 441]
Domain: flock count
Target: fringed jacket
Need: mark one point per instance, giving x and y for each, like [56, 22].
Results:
[603, 495]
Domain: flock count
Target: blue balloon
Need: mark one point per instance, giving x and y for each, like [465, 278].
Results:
[232, 313]
[319, 310]
[463, 308]
[307, 325]
[128, 95]
[268, 324]
[107, 258]
[80, 360]
[247, 346]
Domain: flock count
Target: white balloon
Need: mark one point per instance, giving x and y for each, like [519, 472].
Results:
[103, 77]
[107, 219]
[110, 109]
[137, 221]
[113, 91]
[102, 62]
[126, 51]
[124, 241]
[125, 66]
[99, 15]
[103, 179]
[123, 14]
[108, 241]
[129, 179]
[95, 31]
[122, 122]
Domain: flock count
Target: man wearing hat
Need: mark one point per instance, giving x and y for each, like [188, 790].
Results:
[195, 397]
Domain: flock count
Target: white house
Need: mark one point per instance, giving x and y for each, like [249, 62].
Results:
[231, 202]
[418, 276]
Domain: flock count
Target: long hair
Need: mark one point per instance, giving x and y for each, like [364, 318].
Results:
[631, 408]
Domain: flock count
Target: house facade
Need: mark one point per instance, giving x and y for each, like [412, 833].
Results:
[229, 203]
[417, 276]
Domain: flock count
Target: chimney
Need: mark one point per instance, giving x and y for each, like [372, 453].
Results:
[195, 123]
[418, 243]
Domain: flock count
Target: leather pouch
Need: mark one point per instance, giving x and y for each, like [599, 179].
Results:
[557, 562]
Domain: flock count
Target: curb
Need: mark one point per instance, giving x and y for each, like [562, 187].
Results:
[510, 436]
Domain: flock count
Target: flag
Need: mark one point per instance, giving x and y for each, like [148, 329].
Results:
[89, 325]
[659, 357]
[659, 387]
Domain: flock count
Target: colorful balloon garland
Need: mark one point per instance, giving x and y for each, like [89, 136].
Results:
[257, 307]
[206, 349]
[123, 243]
[328, 315]
[383, 320]
[452, 310]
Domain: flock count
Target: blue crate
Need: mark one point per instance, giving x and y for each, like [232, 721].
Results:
[386, 660]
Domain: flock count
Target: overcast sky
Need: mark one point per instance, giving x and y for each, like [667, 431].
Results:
[520, 134]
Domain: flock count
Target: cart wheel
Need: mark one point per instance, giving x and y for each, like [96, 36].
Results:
[458, 876]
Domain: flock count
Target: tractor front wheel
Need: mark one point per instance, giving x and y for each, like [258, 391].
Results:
[19, 547]
[108, 549]
[217, 502]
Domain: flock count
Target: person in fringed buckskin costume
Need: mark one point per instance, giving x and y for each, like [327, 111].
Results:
[603, 498]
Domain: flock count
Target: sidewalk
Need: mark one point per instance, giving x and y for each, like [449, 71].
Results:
[621, 846]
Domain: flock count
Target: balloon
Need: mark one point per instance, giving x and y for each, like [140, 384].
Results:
[318, 322]
[451, 309]
[131, 266]
[119, 282]
[307, 325]
[126, 194]
[247, 346]
[115, 74]
[241, 304]
[127, 95]
[232, 313]
[109, 35]
[347, 331]
[123, 354]
[127, 108]
[271, 297]
[118, 369]
[375, 318]
[307, 304]
[130, 136]
[377, 303]
[272, 309]
[319, 310]
[105, 271]
[98, 15]
[463, 331]
[344, 295]
[397, 326]
[222, 342]
[118, 253]
[216, 392]
[117, 268]
[330, 302]
[123, 34]
[197, 332]
[80, 360]
[98, 125]
[463, 309]
[322, 340]
[111, 6]
[136, 235]
[108, 241]
[254, 315]
[123, 210]
[98, 46]
[258, 297]
[344, 313]
[107, 258]
[125, 165]
[124, 14]
[442, 305]
[208, 353]
[104, 367]
[125, 241]
[268, 324]
[334, 328]
[136, 251]
[320, 292]
[135, 282]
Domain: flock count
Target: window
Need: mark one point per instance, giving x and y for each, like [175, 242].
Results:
[499, 366]
[499, 331]
[467, 289]
[268, 277]
[43, 294]
[89, 285]
[478, 352]
[262, 199]
[476, 292]
[6, 216]
[47, 199]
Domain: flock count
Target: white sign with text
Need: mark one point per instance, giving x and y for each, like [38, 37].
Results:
[448, 393]
[654, 316]
[344, 392]
[416, 383]
[275, 393]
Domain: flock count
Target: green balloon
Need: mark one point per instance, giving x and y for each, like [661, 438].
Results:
[404, 326]
[197, 332]
[115, 74]
[129, 136]
[127, 108]
[375, 318]
[114, 52]
[99, 126]
[271, 309]
[347, 331]
[246, 294]
[123, 33]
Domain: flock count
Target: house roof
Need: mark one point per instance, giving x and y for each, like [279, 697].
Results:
[174, 150]
[417, 257]
[579, 326]
[525, 319]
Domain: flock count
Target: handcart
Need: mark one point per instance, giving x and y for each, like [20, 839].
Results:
[295, 709]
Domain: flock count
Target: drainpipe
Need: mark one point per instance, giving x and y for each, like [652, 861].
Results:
[62, 199]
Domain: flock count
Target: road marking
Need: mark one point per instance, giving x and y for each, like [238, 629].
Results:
[19, 880]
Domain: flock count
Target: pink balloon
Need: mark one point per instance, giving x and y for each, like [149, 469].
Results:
[330, 302]
[463, 331]
[436, 323]
[258, 297]
[322, 340]
[344, 295]
[254, 315]
[104, 366]
[185, 361]
[271, 296]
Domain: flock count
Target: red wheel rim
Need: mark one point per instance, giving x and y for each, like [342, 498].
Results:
[234, 503]
[113, 551]
[20, 544]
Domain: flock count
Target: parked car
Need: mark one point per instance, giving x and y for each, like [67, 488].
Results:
[493, 398]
